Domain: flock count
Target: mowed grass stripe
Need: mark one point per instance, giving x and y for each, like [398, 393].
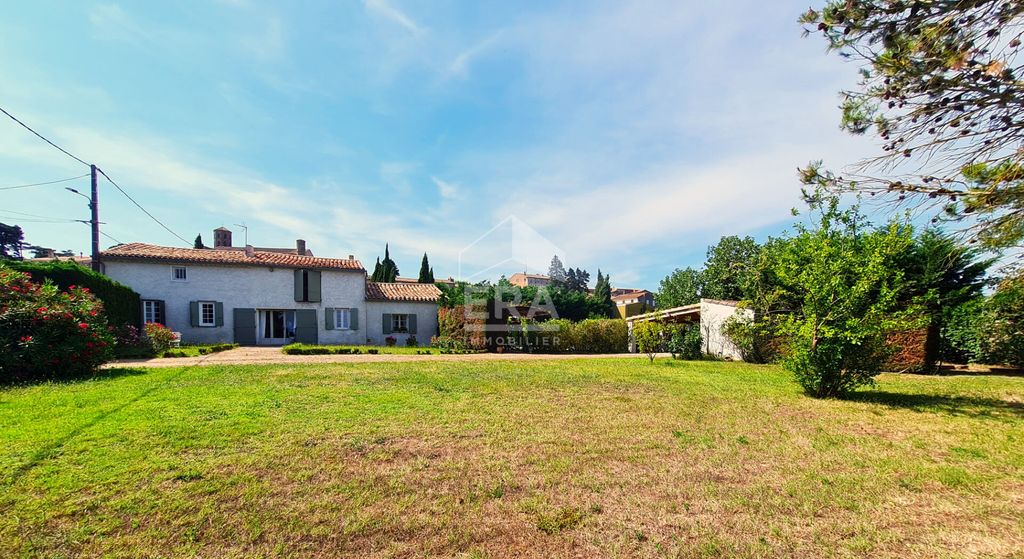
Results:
[574, 457]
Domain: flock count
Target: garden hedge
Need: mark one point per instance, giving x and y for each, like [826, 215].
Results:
[122, 305]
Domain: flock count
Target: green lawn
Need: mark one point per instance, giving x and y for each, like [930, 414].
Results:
[582, 458]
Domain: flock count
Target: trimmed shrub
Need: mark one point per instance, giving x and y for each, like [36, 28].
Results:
[121, 304]
[593, 335]
[47, 333]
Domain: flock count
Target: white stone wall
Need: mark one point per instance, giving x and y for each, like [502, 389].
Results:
[426, 321]
[256, 287]
[713, 315]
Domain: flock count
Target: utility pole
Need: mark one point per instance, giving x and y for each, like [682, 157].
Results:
[94, 205]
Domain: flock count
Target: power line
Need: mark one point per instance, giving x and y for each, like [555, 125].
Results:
[138, 205]
[44, 183]
[41, 137]
[37, 215]
[41, 220]
[69, 154]
[111, 238]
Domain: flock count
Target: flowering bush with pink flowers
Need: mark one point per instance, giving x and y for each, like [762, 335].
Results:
[160, 337]
[48, 333]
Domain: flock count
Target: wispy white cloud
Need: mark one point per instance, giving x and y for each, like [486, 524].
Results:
[386, 10]
[445, 189]
[460, 65]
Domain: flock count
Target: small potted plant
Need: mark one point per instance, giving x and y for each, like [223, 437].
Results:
[390, 341]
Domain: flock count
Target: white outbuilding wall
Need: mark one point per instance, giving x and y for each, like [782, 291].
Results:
[713, 315]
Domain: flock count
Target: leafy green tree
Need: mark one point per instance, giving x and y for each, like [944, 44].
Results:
[556, 271]
[426, 272]
[603, 295]
[1001, 327]
[728, 271]
[577, 280]
[847, 287]
[649, 336]
[962, 331]
[941, 275]
[198, 244]
[681, 287]
[11, 238]
[385, 271]
[941, 88]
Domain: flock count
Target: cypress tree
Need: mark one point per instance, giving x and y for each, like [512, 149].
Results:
[425, 271]
[376, 271]
[603, 293]
[199, 242]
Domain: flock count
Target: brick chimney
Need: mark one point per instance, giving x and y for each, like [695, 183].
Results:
[221, 237]
[300, 247]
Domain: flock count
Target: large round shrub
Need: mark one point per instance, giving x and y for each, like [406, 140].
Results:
[49, 333]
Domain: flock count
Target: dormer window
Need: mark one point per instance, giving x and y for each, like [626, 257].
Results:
[179, 273]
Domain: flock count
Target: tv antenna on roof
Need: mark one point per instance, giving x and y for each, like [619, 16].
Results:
[245, 231]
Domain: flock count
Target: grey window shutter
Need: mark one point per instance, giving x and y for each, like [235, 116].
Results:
[161, 309]
[386, 323]
[313, 291]
[218, 314]
[298, 285]
[193, 313]
[329, 318]
[412, 323]
[353, 319]
[306, 330]
[245, 326]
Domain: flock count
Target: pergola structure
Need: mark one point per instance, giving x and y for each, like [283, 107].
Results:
[710, 314]
[676, 315]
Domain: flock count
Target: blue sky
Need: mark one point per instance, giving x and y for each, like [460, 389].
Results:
[628, 135]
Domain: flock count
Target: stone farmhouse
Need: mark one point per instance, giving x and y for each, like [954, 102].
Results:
[270, 296]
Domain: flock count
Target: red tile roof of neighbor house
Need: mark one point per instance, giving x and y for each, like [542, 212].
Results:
[636, 294]
[142, 251]
[414, 292]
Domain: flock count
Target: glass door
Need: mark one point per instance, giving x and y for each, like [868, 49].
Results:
[277, 327]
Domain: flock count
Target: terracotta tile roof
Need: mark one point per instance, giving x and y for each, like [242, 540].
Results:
[638, 294]
[142, 251]
[416, 292]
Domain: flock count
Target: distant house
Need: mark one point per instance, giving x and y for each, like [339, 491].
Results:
[256, 296]
[631, 302]
[529, 280]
